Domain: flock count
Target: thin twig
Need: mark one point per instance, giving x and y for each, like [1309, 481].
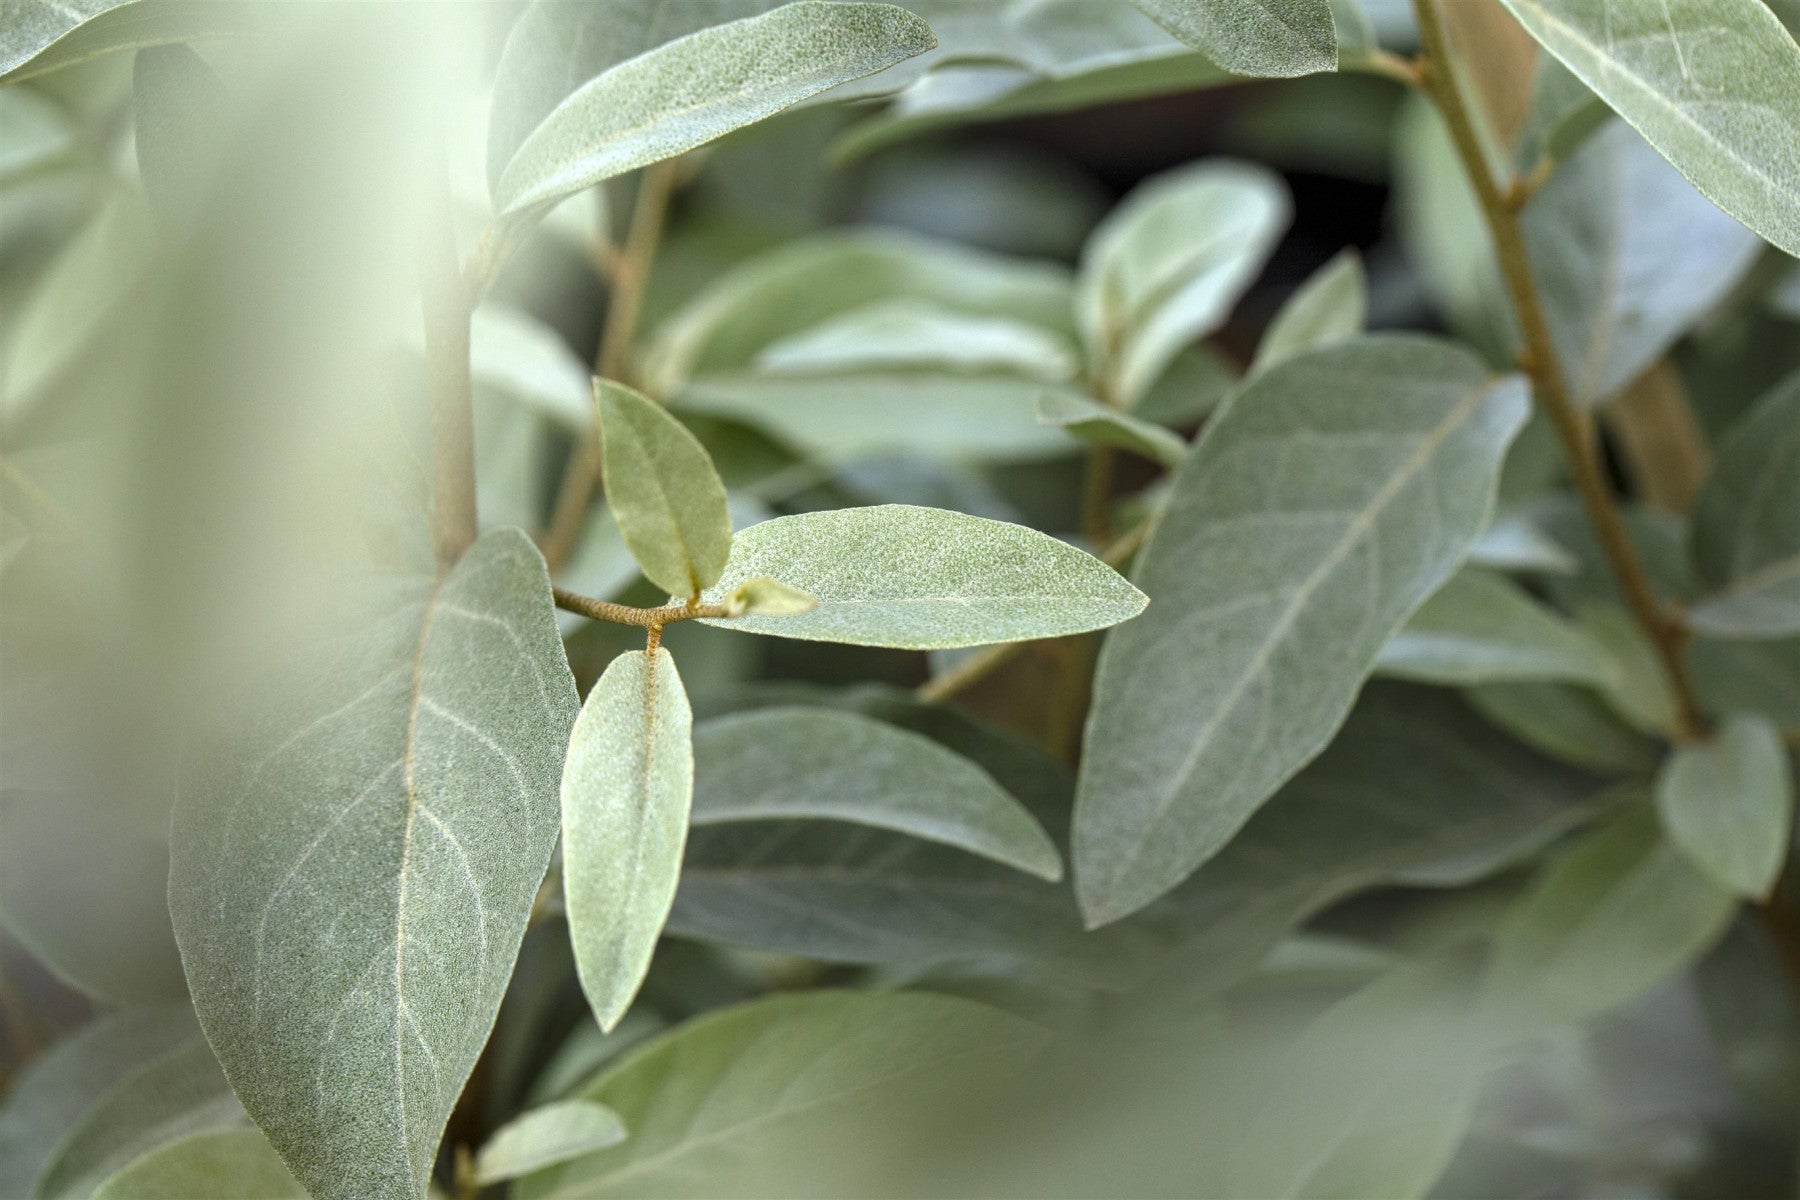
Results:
[627, 614]
[1539, 359]
[624, 306]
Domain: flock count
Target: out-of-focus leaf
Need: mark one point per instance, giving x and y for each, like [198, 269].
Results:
[697, 88]
[799, 763]
[515, 357]
[1566, 722]
[1564, 114]
[1515, 543]
[662, 489]
[626, 791]
[545, 1136]
[1165, 267]
[1747, 524]
[1637, 687]
[1497, 61]
[1479, 628]
[908, 334]
[1616, 914]
[219, 1164]
[1627, 256]
[43, 35]
[40, 134]
[1323, 505]
[1761, 676]
[924, 579]
[178, 107]
[1729, 804]
[1330, 307]
[773, 1090]
[1714, 85]
[1103, 426]
[352, 877]
[1271, 37]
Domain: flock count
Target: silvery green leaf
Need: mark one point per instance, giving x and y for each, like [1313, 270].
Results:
[1324, 503]
[799, 287]
[1728, 803]
[924, 579]
[697, 88]
[626, 789]
[1266, 37]
[1618, 912]
[48, 1097]
[764, 597]
[43, 35]
[1746, 536]
[1167, 264]
[178, 106]
[1330, 307]
[545, 1136]
[662, 490]
[178, 1092]
[1104, 426]
[218, 1164]
[40, 134]
[1714, 85]
[904, 334]
[1564, 114]
[1566, 722]
[1627, 256]
[749, 1099]
[1759, 676]
[1515, 543]
[351, 881]
[1636, 687]
[515, 357]
[1480, 628]
[794, 763]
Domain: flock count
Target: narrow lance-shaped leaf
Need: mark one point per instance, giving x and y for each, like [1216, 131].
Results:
[1254, 37]
[43, 35]
[1479, 628]
[1729, 804]
[350, 888]
[924, 579]
[906, 333]
[220, 1164]
[1329, 308]
[813, 762]
[1712, 84]
[690, 91]
[668, 500]
[1747, 524]
[543, 1137]
[1104, 426]
[626, 789]
[1321, 507]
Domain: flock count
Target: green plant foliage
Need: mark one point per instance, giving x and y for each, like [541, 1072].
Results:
[697, 88]
[663, 491]
[1330, 307]
[788, 763]
[902, 334]
[1278, 37]
[1730, 804]
[626, 790]
[925, 579]
[1712, 84]
[1747, 524]
[1167, 265]
[368, 942]
[546, 1136]
[1386, 454]
[1479, 628]
[221, 1164]
[44, 35]
[1099, 425]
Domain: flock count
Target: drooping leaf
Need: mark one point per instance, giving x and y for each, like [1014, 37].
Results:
[1330, 307]
[1627, 256]
[626, 791]
[924, 579]
[1714, 85]
[1729, 804]
[350, 887]
[1104, 426]
[1165, 267]
[219, 1164]
[1267, 37]
[662, 489]
[1322, 506]
[43, 35]
[744, 1099]
[178, 1092]
[47, 1099]
[690, 91]
[788, 763]
[1479, 628]
[546, 1136]
[1746, 534]
[1616, 914]
[902, 334]
[1566, 722]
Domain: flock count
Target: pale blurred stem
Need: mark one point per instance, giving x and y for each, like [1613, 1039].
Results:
[631, 272]
[1574, 427]
[984, 662]
[626, 614]
[449, 303]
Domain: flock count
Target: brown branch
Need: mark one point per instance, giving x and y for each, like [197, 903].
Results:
[627, 614]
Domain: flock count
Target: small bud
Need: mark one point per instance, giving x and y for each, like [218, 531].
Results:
[765, 597]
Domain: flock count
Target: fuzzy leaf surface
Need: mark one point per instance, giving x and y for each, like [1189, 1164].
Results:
[1729, 803]
[668, 500]
[1281, 38]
